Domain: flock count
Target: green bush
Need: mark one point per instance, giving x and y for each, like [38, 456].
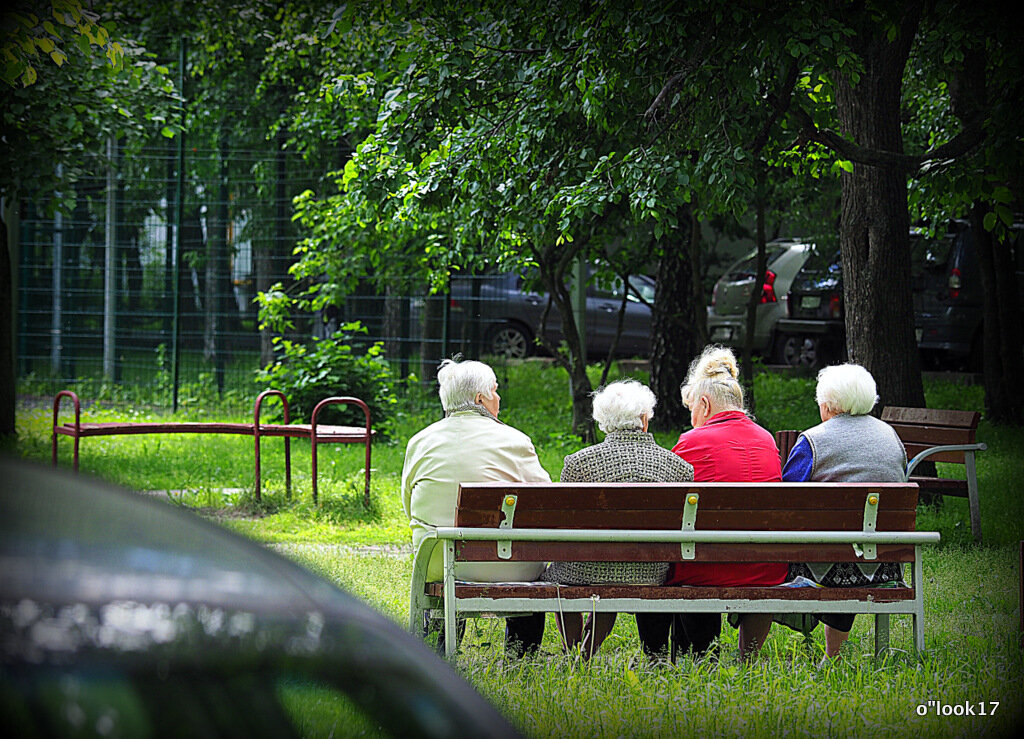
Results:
[307, 374]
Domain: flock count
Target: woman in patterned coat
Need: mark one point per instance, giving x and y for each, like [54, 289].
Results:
[628, 454]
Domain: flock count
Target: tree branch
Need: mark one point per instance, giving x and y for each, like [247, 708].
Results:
[969, 138]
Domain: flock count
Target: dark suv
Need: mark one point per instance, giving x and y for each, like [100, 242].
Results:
[947, 297]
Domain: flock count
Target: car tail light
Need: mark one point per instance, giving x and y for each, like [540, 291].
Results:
[954, 283]
[768, 289]
[454, 304]
[835, 305]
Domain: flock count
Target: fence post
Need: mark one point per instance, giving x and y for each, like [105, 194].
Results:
[178, 217]
[110, 266]
[57, 288]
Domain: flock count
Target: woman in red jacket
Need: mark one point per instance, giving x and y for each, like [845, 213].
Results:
[724, 446]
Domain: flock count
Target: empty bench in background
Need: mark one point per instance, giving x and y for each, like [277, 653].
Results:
[940, 435]
[316, 432]
[666, 522]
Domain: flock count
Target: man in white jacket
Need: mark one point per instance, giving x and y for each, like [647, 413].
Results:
[470, 444]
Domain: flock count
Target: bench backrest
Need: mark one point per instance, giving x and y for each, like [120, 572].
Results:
[785, 440]
[660, 506]
[923, 428]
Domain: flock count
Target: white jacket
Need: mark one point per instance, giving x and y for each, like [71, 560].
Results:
[465, 447]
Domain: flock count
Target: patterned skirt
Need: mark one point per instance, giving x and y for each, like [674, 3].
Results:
[605, 573]
[848, 574]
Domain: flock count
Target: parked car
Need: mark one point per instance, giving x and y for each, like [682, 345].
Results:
[947, 297]
[504, 316]
[813, 332]
[727, 316]
[127, 616]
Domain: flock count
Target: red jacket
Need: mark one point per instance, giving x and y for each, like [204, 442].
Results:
[729, 448]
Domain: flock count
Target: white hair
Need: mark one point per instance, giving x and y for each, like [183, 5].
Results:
[460, 383]
[714, 373]
[621, 404]
[846, 388]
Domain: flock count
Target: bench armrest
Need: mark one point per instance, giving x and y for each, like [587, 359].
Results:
[979, 447]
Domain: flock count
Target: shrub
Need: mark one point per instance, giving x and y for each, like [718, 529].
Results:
[307, 374]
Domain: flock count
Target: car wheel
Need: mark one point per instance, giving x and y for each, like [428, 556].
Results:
[804, 351]
[509, 340]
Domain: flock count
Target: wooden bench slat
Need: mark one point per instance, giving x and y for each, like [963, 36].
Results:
[934, 435]
[537, 551]
[180, 427]
[727, 520]
[931, 417]
[950, 457]
[295, 430]
[672, 496]
[662, 592]
[942, 486]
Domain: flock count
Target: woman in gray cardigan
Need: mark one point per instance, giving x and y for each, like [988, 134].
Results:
[628, 454]
[849, 445]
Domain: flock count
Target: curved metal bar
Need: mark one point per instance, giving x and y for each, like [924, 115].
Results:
[78, 424]
[287, 441]
[979, 447]
[341, 400]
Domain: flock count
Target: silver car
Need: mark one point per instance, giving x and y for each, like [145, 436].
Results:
[727, 315]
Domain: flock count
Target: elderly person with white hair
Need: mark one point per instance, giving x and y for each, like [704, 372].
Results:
[470, 444]
[849, 445]
[628, 454]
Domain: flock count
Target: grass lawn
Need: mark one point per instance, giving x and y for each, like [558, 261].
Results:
[972, 612]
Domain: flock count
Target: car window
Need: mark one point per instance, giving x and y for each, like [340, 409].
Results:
[930, 254]
[821, 262]
[643, 286]
[745, 269]
[612, 289]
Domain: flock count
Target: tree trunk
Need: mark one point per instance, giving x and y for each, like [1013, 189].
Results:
[1002, 342]
[755, 293]
[678, 322]
[218, 277]
[273, 253]
[431, 329]
[552, 266]
[874, 224]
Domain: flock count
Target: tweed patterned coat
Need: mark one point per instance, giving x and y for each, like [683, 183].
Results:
[623, 456]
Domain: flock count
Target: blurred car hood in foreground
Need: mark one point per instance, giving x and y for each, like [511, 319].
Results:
[161, 604]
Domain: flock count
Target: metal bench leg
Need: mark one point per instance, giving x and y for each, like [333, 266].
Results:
[918, 602]
[881, 634]
[366, 487]
[450, 627]
[972, 495]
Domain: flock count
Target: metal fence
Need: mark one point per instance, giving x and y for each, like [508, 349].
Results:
[150, 279]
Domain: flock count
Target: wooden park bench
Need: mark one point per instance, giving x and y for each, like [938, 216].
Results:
[941, 436]
[665, 522]
[316, 432]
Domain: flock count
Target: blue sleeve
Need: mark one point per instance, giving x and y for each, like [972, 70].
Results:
[800, 463]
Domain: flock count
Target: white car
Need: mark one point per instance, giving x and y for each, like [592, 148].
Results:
[727, 315]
